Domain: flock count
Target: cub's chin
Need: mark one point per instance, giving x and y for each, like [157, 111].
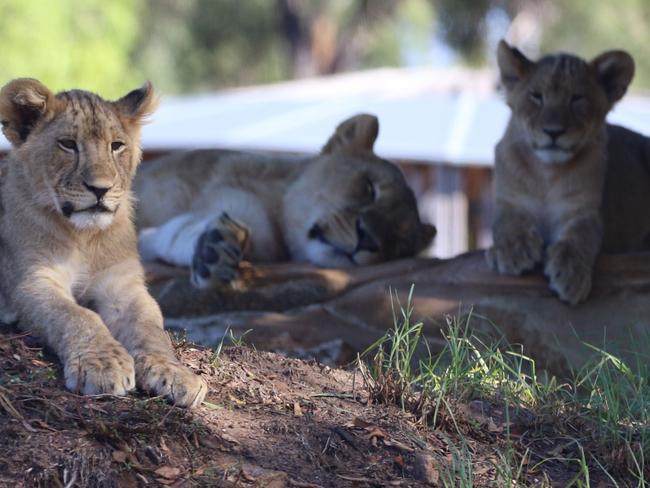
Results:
[92, 220]
[553, 155]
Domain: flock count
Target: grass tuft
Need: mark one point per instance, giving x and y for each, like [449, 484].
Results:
[598, 421]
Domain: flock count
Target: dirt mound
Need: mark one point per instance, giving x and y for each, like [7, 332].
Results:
[268, 421]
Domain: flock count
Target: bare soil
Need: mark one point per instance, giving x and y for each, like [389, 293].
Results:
[268, 421]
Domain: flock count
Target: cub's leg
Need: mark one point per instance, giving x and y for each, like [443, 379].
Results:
[214, 239]
[218, 252]
[570, 258]
[134, 318]
[94, 362]
[517, 244]
[212, 247]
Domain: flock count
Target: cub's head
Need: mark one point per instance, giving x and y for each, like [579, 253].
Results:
[351, 207]
[76, 152]
[560, 102]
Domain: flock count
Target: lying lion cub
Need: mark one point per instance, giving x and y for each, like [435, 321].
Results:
[566, 183]
[343, 207]
[69, 265]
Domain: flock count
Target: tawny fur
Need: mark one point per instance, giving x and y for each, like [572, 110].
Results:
[566, 182]
[344, 207]
[70, 270]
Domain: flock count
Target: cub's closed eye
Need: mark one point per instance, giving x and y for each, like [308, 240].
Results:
[68, 145]
[577, 98]
[117, 146]
[370, 190]
[536, 97]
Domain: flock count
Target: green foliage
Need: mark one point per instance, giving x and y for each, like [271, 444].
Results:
[196, 45]
[589, 28]
[202, 44]
[71, 43]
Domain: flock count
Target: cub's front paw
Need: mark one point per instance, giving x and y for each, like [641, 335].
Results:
[103, 370]
[218, 253]
[569, 272]
[166, 377]
[516, 252]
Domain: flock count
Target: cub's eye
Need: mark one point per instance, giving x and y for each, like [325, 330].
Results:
[370, 190]
[117, 146]
[68, 145]
[536, 97]
[577, 99]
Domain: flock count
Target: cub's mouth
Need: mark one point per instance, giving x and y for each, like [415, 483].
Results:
[553, 153]
[99, 208]
[364, 242]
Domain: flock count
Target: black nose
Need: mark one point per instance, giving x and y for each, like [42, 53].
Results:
[99, 192]
[365, 242]
[554, 133]
[315, 232]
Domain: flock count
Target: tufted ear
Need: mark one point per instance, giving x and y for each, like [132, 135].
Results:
[427, 233]
[354, 135]
[615, 70]
[138, 104]
[513, 65]
[23, 103]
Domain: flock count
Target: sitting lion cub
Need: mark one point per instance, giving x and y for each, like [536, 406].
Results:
[209, 209]
[69, 265]
[566, 183]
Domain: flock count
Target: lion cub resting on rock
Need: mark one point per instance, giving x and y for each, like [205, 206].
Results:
[343, 207]
[567, 184]
[70, 270]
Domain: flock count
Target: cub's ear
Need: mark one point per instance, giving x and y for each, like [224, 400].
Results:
[513, 65]
[23, 103]
[427, 233]
[615, 70]
[354, 135]
[138, 104]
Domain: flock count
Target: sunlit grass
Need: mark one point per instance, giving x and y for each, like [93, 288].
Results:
[602, 412]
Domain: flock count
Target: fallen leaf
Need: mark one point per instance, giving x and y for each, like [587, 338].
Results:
[399, 460]
[297, 411]
[212, 406]
[120, 456]
[492, 427]
[229, 438]
[354, 478]
[168, 472]
[398, 445]
[236, 400]
[376, 433]
[360, 423]
[163, 445]
[163, 481]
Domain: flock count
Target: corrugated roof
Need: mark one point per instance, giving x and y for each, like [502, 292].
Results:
[454, 116]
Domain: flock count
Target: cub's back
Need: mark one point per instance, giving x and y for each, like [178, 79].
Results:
[626, 197]
[190, 180]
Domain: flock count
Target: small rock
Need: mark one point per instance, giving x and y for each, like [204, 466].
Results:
[425, 469]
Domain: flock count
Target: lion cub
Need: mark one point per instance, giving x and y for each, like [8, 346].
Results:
[551, 167]
[343, 207]
[69, 267]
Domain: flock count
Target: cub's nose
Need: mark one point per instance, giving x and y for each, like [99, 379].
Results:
[365, 242]
[553, 132]
[315, 232]
[99, 191]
